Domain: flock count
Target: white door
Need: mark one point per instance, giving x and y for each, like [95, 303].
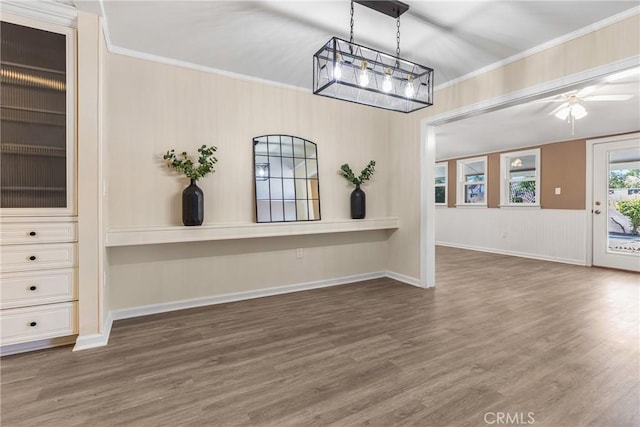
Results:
[616, 203]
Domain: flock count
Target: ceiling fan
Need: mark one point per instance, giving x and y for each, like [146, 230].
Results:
[572, 109]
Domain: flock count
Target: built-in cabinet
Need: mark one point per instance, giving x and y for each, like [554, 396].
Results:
[38, 228]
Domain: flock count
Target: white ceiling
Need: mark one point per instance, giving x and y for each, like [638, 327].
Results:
[275, 40]
[531, 124]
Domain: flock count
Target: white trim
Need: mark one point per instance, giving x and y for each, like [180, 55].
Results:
[427, 206]
[42, 10]
[505, 180]
[404, 279]
[513, 253]
[445, 185]
[132, 236]
[590, 143]
[190, 65]
[85, 342]
[71, 119]
[10, 349]
[146, 310]
[461, 182]
[102, 339]
[544, 46]
[184, 64]
[532, 206]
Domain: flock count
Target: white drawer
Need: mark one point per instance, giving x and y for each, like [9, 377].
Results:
[29, 233]
[35, 323]
[38, 287]
[37, 257]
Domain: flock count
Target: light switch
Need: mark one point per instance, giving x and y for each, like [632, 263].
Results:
[558, 191]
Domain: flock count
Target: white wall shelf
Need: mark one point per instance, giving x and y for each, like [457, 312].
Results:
[135, 236]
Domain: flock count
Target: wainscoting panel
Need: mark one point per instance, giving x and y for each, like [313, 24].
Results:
[550, 234]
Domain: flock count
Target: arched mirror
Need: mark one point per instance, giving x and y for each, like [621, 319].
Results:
[286, 177]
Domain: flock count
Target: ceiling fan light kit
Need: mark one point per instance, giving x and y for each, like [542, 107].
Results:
[351, 72]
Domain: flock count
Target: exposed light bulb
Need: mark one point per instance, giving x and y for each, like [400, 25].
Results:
[409, 91]
[337, 68]
[387, 84]
[364, 75]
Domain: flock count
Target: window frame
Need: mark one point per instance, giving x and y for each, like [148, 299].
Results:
[505, 180]
[445, 185]
[462, 183]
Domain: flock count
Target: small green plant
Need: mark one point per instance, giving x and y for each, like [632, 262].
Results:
[184, 164]
[631, 209]
[365, 175]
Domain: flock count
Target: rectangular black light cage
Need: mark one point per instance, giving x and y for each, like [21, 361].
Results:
[391, 83]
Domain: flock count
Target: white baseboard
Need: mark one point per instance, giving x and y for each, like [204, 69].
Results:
[404, 279]
[8, 350]
[85, 342]
[98, 340]
[239, 296]
[513, 253]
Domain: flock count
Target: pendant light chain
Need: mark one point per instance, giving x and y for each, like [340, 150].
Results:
[398, 38]
[351, 38]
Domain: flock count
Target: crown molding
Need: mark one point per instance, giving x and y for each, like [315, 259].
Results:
[42, 10]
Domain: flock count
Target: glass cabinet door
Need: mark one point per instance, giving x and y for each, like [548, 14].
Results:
[34, 147]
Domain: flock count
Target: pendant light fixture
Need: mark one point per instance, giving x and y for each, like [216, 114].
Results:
[351, 72]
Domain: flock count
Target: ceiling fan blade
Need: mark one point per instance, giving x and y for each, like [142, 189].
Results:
[586, 91]
[608, 97]
[558, 108]
[549, 100]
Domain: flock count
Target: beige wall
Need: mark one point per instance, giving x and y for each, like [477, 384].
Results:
[175, 272]
[154, 107]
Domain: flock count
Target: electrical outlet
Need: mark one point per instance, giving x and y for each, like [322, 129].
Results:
[299, 253]
[558, 191]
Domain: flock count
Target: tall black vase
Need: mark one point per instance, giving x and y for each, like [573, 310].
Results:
[192, 205]
[358, 203]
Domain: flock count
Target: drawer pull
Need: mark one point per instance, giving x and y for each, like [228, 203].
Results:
[33, 287]
[33, 233]
[33, 324]
[32, 257]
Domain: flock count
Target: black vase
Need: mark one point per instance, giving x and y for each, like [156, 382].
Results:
[192, 205]
[358, 203]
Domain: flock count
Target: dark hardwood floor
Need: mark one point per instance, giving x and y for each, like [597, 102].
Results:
[500, 339]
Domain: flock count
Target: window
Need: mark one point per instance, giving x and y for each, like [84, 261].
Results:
[520, 184]
[472, 181]
[441, 183]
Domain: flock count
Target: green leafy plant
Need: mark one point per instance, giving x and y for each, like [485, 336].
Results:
[631, 209]
[185, 164]
[365, 175]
